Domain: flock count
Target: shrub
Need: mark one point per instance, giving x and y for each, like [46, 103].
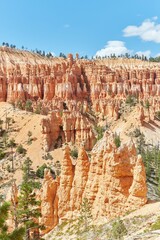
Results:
[131, 100]
[156, 225]
[2, 154]
[136, 132]
[28, 105]
[40, 171]
[9, 168]
[117, 140]
[74, 153]
[29, 134]
[85, 217]
[100, 130]
[38, 108]
[21, 150]
[48, 156]
[20, 104]
[147, 104]
[118, 229]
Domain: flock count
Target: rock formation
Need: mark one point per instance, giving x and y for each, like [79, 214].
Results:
[101, 82]
[49, 202]
[66, 127]
[80, 179]
[114, 182]
[115, 174]
[67, 174]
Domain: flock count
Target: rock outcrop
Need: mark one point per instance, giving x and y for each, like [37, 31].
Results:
[67, 174]
[113, 181]
[49, 202]
[80, 180]
[66, 127]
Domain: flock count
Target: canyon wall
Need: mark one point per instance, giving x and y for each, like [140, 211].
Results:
[73, 92]
[102, 83]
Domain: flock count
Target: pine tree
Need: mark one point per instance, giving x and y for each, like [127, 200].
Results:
[12, 144]
[7, 123]
[85, 215]
[29, 134]
[28, 206]
[1, 123]
[17, 234]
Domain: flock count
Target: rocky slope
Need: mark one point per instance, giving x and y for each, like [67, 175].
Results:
[138, 224]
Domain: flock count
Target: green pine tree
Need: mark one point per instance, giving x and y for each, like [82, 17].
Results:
[28, 206]
[17, 234]
[12, 144]
[85, 216]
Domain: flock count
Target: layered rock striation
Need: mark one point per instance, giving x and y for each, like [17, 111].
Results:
[67, 127]
[24, 75]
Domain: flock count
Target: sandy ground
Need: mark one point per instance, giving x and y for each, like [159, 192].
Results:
[24, 122]
[130, 121]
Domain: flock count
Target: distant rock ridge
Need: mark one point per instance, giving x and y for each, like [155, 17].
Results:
[77, 89]
[25, 75]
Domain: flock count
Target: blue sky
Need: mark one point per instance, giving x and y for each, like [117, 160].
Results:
[83, 26]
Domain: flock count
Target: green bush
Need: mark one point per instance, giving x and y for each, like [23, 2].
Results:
[147, 104]
[38, 108]
[28, 105]
[117, 140]
[20, 104]
[130, 100]
[9, 168]
[118, 229]
[2, 154]
[136, 133]
[40, 171]
[100, 130]
[74, 153]
[47, 156]
[21, 150]
[156, 225]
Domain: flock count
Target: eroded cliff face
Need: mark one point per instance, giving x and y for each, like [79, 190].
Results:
[113, 181]
[73, 92]
[24, 75]
[67, 127]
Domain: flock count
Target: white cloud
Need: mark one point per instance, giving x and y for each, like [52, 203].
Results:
[113, 47]
[155, 18]
[145, 53]
[157, 55]
[149, 30]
